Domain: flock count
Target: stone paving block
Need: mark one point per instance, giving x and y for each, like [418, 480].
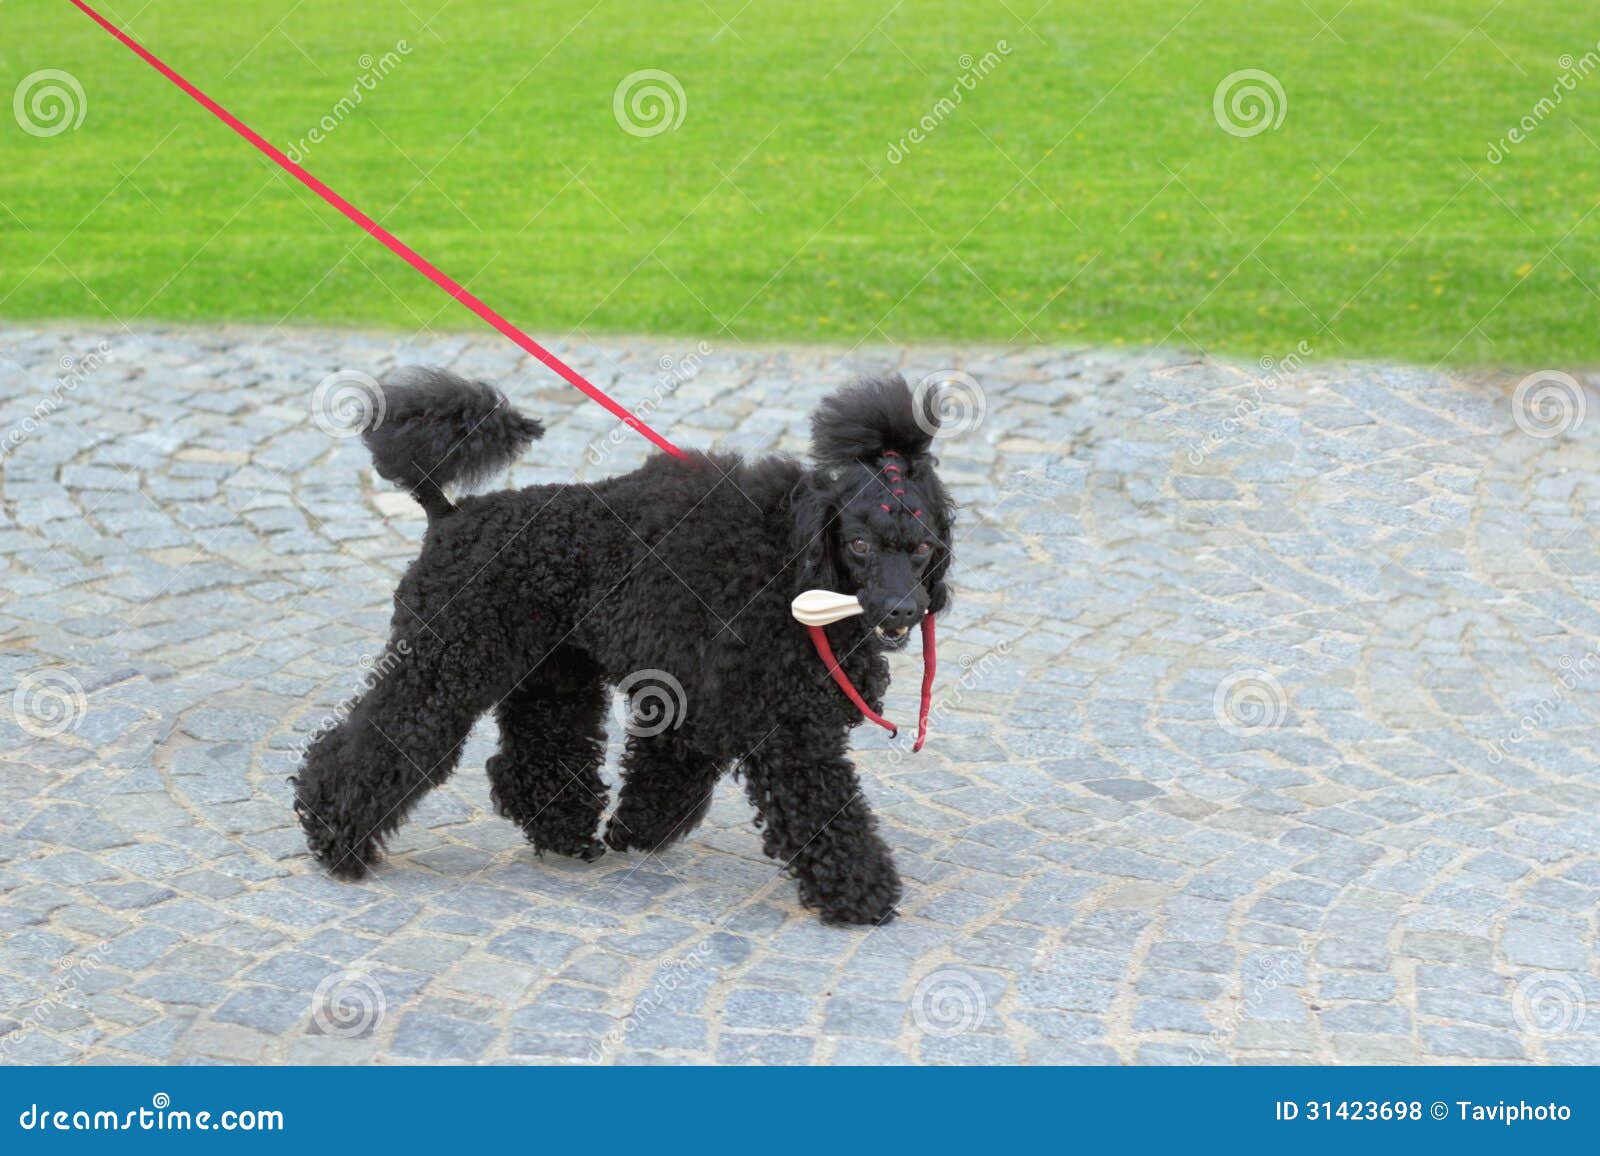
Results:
[267, 1009]
[1122, 865]
[667, 1030]
[757, 1008]
[1473, 1043]
[435, 1037]
[742, 1048]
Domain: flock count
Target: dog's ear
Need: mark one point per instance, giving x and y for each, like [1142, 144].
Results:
[811, 541]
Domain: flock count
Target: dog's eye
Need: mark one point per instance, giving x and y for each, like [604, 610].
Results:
[859, 547]
[923, 550]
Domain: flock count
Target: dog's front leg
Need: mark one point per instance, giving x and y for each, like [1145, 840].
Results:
[816, 823]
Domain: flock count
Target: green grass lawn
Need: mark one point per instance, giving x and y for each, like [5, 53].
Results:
[1082, 190]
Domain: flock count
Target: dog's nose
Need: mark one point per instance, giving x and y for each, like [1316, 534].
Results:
[903, 613]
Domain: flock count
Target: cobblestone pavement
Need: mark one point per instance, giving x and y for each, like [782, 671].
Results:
[1267, 733]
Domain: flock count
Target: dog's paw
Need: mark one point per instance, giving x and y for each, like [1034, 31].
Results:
[587, 849]
[858, 914]
[864, 903]
[621, 837]
[616, 837]
[348, 864]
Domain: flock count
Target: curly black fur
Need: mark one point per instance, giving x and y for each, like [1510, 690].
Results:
[433, 430]
[864, 422]
[532, 603]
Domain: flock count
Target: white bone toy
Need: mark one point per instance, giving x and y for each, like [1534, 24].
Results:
[815, 609]
[824, 607]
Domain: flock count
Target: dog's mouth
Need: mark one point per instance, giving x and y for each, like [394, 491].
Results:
[893, 635]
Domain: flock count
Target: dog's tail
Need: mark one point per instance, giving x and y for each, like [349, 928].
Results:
[432, 429]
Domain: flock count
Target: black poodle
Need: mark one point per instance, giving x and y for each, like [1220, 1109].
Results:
[533, 603]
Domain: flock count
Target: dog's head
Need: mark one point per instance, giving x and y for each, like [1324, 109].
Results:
[873, 519]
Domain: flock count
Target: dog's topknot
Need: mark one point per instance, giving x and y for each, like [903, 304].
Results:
[865, 421]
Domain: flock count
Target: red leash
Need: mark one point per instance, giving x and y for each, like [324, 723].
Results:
[393, 243]
[819, 639]
[422, 265]
[930, 662]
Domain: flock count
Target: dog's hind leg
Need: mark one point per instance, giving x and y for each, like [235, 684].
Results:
[546, 775]
[404, 736]
[666, 790]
